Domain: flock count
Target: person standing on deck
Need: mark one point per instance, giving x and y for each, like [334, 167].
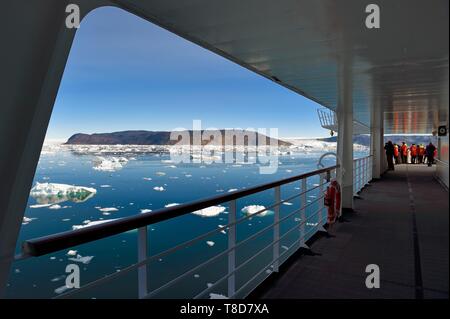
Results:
[430, 151]
[404, 153]
[413, 150]
[389, 147]
[421, 153]
[396, 154]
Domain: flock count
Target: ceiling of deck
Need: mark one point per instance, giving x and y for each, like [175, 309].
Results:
[304, 45]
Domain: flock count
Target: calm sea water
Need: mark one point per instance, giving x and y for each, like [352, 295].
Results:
[130, 190]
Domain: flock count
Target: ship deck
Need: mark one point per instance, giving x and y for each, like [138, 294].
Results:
[400, 223]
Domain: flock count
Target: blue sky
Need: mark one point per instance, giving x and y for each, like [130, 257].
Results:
[124, 73]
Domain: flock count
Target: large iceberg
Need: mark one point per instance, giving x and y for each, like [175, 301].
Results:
[52, 193]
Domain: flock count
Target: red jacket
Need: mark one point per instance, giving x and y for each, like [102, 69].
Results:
[413, 149]
[395, 150]
[404, 150]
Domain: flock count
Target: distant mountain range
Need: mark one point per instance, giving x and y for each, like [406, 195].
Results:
[409, 139]
[156, 138]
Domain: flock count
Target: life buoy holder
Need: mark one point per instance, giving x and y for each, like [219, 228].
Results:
[332, 200]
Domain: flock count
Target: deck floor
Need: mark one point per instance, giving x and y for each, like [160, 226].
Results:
[401, 223]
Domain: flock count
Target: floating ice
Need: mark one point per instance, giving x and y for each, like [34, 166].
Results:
[109, 164]
[88, 223]
[146, 210]
[210, 243]
[26, 220]
[287, 203]
[55, 206]
[159, 188]
[40, 205]
[52, 193]
[71, 253]
[252, 209]
[171, 205]
[105, 186]
[108, 209]
[160, 173]
[147, 178]
[82, 259]
[232, 190]
[210, 211]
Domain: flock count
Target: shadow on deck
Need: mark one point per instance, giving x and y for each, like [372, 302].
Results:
[401, 223]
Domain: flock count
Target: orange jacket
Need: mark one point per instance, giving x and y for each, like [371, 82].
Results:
[413, 150]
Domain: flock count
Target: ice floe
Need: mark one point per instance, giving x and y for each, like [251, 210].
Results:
[26, 220]
[171, 205]
[252, 209]
[52, 193]
[210, 211]
[210, 243]
[145, 210]
[159, 188]
[71, 253]
[88, 223]
[108, 209]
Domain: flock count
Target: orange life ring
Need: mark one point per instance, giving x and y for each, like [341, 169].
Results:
[332, 200]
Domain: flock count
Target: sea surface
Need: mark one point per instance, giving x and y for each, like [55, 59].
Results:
[145, 183]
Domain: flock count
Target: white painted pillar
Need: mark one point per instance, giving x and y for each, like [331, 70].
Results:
[344, 114]
[375, 140]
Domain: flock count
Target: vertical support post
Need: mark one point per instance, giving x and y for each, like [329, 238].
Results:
[345, 134]
[303, 213]
[232, 246]
[142, 255]
[376, 140]
[276, 230]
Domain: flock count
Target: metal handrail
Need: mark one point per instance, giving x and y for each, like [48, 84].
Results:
[55, 242]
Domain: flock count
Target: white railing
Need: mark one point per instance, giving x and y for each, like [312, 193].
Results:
[362, 173]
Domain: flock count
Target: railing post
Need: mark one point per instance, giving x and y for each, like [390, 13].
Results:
[232, 252]
[303, 214]
[142, 255]
[276, 230]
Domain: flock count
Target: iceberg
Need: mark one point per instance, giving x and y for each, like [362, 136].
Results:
[252, 209]
[159, 188]
[210, 211]
[109, 164]
[53, 193]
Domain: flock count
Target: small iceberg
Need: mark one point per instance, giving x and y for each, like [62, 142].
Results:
[171, 205]
[26, 220]
[210, 243]
[252, 209]
[145, 210]
[210, 211]
[108, 209]
[71, 253]
[159, 188]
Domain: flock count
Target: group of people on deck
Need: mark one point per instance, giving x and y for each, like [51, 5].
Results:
[414, 154]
